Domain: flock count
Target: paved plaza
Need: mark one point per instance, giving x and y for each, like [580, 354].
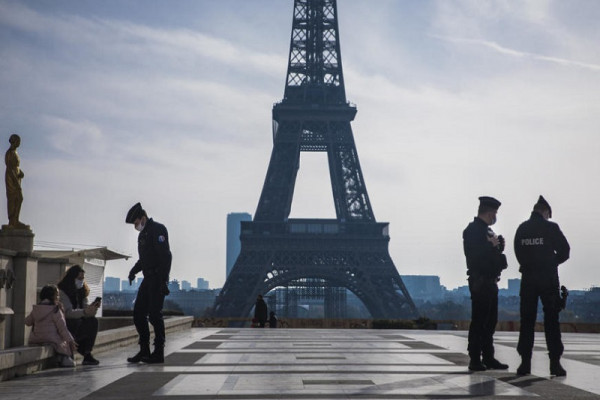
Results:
[216, 363]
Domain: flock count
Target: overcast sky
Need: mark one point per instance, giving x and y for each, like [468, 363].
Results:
[169, 103]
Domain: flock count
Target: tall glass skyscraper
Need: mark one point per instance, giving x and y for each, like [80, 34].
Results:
[233, 238]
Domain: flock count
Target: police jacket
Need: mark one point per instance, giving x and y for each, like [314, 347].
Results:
[154, 252]
[483, 259]
[540, 246]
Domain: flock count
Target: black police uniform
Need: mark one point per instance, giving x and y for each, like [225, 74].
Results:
[540, 247]
[155, 262]
[484, 264]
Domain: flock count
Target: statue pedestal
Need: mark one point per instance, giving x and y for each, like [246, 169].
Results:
[24, 295]
[16, 239]
[24, 291]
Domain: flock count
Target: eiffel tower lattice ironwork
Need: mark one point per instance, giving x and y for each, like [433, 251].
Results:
[350, 251]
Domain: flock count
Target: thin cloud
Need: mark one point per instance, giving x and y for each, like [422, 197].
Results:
[516, 53]
[75, 137]
[131, 41]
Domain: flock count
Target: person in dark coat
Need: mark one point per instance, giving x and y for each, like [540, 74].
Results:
[540, 247]
[483, 251]
[155, 263]
[79, 313]
[260, 311]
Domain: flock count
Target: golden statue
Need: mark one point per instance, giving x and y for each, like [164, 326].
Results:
[14, 193]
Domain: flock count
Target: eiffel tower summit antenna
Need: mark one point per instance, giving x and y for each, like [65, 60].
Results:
[348, 252]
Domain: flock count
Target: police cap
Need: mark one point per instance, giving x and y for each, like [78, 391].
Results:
[489, 202]
[543, 205]
[134, 213]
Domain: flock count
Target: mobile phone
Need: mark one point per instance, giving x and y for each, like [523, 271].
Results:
[98, 300]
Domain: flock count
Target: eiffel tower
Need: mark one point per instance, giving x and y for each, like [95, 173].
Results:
[350, 251]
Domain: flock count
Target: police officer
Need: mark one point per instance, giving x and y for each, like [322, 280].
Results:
[485, 261]
[155, 263]
[540, 247]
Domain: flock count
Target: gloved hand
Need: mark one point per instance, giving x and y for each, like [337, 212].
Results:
[164, 289]
[131, 278]
[502, 243]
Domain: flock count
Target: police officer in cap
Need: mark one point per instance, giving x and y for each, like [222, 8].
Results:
[155, 263]
[540, 247]
[485, 261]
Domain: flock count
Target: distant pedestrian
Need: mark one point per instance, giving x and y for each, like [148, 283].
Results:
[155, 263]
[260, 311]
[540, 247]
[272, 320]
[485, 261]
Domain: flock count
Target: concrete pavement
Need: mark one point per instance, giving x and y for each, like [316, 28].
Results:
[217, 363]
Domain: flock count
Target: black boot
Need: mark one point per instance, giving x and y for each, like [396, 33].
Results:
[143, 353]
[157, 356]
[492, 363]
[525, 367]
[557, 369]
[476, 365]
[89, 359]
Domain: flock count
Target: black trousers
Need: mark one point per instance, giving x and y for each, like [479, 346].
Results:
[484, 316]
[84, 331]
[546, 289]
[148, 307]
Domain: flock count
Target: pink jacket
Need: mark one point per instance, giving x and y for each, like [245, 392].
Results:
[49, 327]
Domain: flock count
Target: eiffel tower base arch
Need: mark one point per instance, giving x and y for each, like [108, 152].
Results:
[350, 255]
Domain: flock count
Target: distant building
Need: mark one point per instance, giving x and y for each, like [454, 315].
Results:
[174, 286]
[194, 302]
[424, 287]
[462, 291]
[514, 287]
[593, 295]
[112, 284]
[185, 285]
[234, 245]
[126, 287]
[202, 284]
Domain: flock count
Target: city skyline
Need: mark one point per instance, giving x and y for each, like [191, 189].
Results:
[123, 284]
[170, 104]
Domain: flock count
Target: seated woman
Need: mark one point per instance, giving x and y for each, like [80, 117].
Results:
[49, 327]
[80, 315]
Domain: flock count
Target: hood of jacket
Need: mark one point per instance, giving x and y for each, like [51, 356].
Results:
[41, 311]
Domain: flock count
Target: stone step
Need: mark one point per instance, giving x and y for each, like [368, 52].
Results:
[19, 361]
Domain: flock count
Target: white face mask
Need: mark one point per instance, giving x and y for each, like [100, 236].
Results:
[78, 283]
[139, 227]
